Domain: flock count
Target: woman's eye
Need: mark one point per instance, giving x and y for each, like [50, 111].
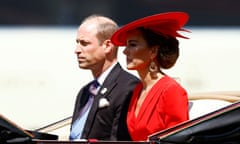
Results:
[131, 45]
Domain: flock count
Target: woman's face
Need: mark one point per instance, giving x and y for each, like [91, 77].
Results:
[138, 54]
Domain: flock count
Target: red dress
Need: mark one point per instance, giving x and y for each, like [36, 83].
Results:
[165, 106]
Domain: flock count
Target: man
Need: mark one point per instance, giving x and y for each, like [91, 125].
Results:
[105, 119]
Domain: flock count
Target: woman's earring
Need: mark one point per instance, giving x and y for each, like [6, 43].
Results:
[153, 67]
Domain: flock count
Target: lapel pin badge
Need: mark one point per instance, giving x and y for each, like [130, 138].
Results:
[103, 91]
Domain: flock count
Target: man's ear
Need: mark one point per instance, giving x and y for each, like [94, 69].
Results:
[108, 46]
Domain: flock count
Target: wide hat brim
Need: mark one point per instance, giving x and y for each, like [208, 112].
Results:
[167, 24]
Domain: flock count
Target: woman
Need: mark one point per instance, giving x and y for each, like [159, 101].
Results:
[158, 102]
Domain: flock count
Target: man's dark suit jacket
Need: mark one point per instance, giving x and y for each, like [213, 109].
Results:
[108, 123]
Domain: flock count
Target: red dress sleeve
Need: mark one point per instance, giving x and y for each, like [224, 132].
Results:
[174, 105]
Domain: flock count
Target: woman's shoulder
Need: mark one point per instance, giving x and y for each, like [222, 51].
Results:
[168, 82]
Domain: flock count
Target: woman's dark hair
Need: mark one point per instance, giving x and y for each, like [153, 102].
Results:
[168, 47]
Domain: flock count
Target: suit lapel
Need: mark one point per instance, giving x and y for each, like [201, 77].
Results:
[108, 84]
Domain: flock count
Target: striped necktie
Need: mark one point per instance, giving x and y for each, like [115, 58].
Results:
[79, 123]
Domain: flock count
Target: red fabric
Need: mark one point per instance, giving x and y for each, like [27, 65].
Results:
[165, 106]
[168, 23]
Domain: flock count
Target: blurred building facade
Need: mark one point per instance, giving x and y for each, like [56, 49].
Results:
[71, 12]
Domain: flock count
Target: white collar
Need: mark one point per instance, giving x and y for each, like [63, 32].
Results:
[103, 76]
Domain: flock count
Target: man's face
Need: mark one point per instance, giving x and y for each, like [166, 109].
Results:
[89, 51]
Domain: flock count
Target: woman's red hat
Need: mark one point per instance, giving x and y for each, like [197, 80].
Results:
[167, 24]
